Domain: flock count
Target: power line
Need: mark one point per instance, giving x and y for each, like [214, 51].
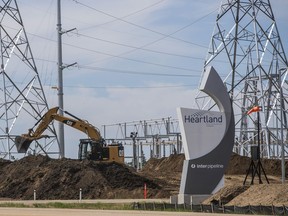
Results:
[116, 56]
[162, 38]
[138, 48]
[137, 73]
[134, 47]
[129, 59]
[125, 87]
[139, 26]
[128, 15]
[128, 71]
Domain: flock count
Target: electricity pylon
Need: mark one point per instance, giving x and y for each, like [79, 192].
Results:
[247, 51]
[22, 100]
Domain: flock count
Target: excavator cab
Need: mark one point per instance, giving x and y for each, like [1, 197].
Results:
[91, 150]
[99, 151]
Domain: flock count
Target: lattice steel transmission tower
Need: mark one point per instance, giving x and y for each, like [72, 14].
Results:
[22, 100]
[247, 51]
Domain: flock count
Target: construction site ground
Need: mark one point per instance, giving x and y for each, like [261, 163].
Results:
[62, 179]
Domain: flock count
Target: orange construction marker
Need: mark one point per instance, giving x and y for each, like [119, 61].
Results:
[254, 109]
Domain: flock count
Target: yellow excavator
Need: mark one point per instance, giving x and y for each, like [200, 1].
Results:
[92, 148]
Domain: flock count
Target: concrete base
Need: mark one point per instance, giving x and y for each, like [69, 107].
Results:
[188, 199]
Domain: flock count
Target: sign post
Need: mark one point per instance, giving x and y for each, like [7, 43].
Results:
[255, 153]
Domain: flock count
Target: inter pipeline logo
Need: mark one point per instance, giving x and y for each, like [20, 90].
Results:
[203, 117]
[207, 166]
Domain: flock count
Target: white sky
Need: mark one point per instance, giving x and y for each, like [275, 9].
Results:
[127, 45]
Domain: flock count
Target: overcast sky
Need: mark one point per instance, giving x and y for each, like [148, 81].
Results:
[136, 60]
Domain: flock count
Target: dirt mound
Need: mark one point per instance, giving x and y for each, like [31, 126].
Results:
[166, 172]
[240, 164]
[263, 194]
[226, 194]
[62, 179]
[173, 163]
[234, 193]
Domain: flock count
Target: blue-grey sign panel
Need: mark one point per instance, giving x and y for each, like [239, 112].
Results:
[203, 174]
[208, 139]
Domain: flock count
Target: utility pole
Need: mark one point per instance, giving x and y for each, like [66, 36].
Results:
[60, 80]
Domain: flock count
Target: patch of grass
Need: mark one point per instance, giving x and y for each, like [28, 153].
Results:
[99, 206]
[102, 206]
[14, 205]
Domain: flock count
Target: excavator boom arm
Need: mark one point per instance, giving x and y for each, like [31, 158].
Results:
[44, 123]
[81, 125]
[23, 142]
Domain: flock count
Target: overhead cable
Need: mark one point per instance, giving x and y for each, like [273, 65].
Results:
[137, 72]
[142, 27]
[128, 15]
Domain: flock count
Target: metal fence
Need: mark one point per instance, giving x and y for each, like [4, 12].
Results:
[253, 210]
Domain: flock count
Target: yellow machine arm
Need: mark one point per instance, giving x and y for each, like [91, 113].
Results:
[23, 142]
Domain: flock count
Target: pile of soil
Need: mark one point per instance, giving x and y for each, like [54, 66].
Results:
[239, 165]
[166, 172]
[271, 192]
[234, 192]
[63, 178]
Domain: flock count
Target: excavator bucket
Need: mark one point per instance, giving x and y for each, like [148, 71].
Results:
[22, 144]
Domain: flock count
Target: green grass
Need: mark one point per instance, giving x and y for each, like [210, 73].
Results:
[97, 206]
[102, 206]
[14, 205]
